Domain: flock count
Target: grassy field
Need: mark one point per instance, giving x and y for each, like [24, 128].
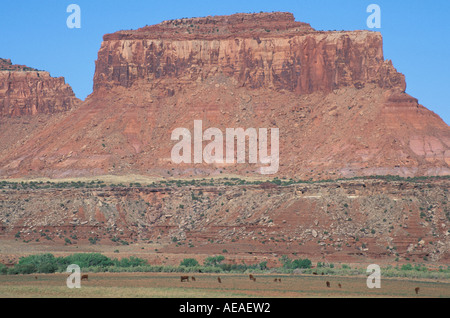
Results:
[130, 285]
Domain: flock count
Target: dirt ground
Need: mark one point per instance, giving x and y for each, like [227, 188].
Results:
[162, 285]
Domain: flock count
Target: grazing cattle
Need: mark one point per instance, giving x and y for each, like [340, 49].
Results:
[251, 277]
[340, 286]
[85, 277]
[184, 279]
[417, 290]
[35, 277]
[315, 273]
[328, 284]
[219, 280]
[193, 278]
[279, 280]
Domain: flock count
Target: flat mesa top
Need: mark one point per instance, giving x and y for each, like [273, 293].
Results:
[217, 27]
[6, 65]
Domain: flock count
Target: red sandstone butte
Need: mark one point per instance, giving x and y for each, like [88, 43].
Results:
[268, 50]
[28, 91]
[340, 106]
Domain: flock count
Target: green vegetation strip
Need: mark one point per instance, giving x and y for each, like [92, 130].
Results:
[98, 263]
[197, 182]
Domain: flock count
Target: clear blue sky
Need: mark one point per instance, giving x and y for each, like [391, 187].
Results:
[416, 34]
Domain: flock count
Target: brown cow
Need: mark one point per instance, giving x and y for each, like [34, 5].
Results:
[193, 278]
[340, 286]
[184, 279]
[251, 277]
[328, 284]
[417, 290]
[315, 273]
[219, 280]
[85, 277]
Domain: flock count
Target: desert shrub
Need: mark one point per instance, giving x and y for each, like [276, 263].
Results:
[130, 262]
[189, 262]
[407, 267]
[47, 268]
[22, 269]
[240, 268]
[214, 260]
[88, 260]
[211, 269]
[301, 263]
[294, 264]
[3, 269]
[93, 240]
[263, 265]
[42, 263]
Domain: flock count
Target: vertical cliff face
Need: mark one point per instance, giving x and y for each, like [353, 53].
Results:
[27, 91]
[257, 51]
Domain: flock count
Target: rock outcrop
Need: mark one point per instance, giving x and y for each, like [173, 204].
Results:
[256, 50]
[28, 91]
[348, 221]
[340, 106]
